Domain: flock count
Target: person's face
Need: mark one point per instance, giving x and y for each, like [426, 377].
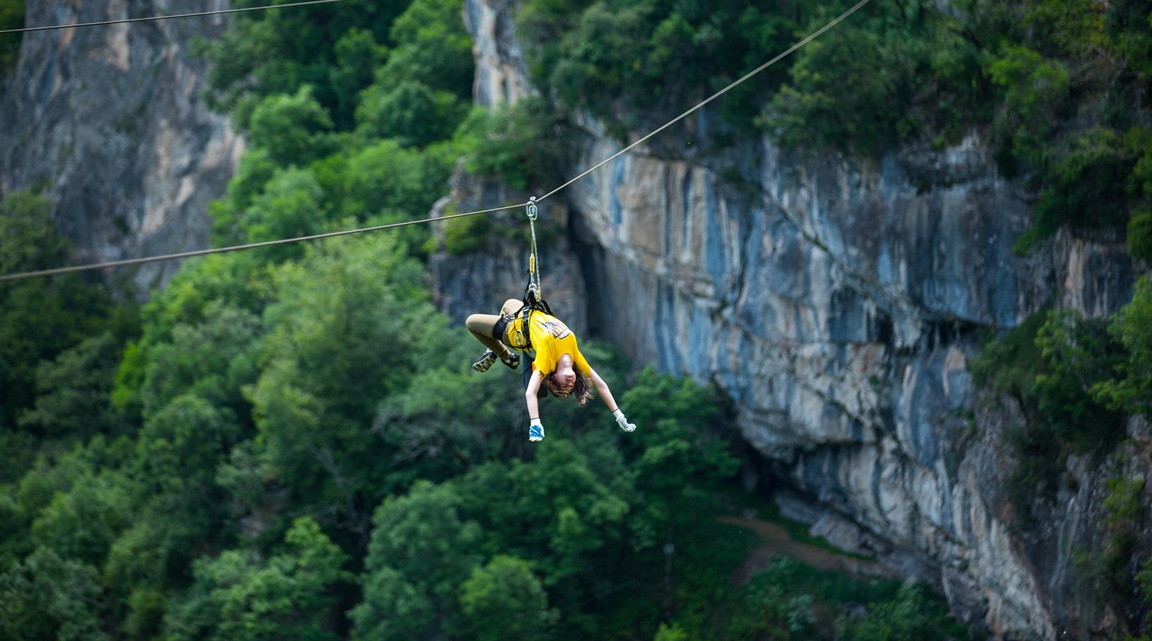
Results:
[563, 381]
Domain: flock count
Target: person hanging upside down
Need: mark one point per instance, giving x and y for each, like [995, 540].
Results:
[558, 367]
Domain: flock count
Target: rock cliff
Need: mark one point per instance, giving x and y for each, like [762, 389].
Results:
[836, 303]
[109, 122]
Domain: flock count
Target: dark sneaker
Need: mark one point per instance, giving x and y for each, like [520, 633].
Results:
[512, 360]
[485, 361]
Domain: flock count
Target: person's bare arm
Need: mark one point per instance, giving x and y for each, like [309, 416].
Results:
[602, 390]
[606, 394]
[530, 395]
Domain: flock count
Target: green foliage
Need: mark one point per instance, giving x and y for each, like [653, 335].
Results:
[788, 600]
[179, 448]
[876, 80]
[671, 632]
[39, 318]
[384, 180]
[213, 359]
[266, 53]
[1034, 93]
[522, 144]
[28, 241]
[447, 422]
[912, 615]
[83, 522]
[50, 597]
[504, 600]
[1052, 364]
[421, 551]
[1082, 185]
[1131, 388]
[293, 129]
[1066, 75]
[424, 89]
[466, 235]
[358, 55]
[11, 17]
[198, 304]
[1140, 234]
[350, 325]
[74, 392]
[1124, 506]
[606, 55]
[410, 113]
[239, 596]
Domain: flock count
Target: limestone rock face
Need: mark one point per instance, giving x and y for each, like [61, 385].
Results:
[109, 122]
[836, 303]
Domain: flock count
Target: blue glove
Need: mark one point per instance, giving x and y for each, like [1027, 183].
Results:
[622, 421]
[535, 430]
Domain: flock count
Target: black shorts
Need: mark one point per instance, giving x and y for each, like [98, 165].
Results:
[499, 327]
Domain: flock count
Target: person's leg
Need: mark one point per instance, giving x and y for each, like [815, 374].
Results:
[511, 306]
[481, 326]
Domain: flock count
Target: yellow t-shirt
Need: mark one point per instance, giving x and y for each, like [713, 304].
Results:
[551, 339]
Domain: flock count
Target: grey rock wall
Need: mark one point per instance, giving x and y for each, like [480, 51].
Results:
[110, 122]
[836, 303]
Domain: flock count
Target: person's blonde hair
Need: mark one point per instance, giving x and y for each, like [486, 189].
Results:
[581, 390]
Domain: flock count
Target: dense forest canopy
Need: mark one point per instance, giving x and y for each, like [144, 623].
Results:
[289, 443]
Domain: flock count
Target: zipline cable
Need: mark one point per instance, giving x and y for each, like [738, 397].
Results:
[714, 96]
[221, 250]
[203, 252]
[178, 15]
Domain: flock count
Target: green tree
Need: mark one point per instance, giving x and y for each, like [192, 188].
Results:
[212, 358]
[83, 522]
[291, 206]
[1034, 94]
[177, 455]
[671, 632]
[519, 143]
[911, 616]
[241, 597]
[1131, 390]
[350, 325]
[49, 597]
[197, 305]
[39, 318]
[275, 52]
[569, 509]
[504, 600]
[410, 113]
[420, 553]
[448, 421]
[425, 88]
[74, 392]
[294, 129]
[847, 91]
[358, 55]
[1082, 179]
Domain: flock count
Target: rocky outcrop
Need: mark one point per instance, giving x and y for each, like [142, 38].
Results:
[108, 121]
[836, 303]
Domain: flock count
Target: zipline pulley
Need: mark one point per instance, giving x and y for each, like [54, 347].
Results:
[532, 294]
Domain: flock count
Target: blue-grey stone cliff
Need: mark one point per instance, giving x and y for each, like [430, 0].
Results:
[109, 122]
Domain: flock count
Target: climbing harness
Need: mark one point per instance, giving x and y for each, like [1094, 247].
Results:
[533, 298]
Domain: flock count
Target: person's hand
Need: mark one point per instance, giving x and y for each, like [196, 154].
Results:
[535, 430]
[622, 421]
